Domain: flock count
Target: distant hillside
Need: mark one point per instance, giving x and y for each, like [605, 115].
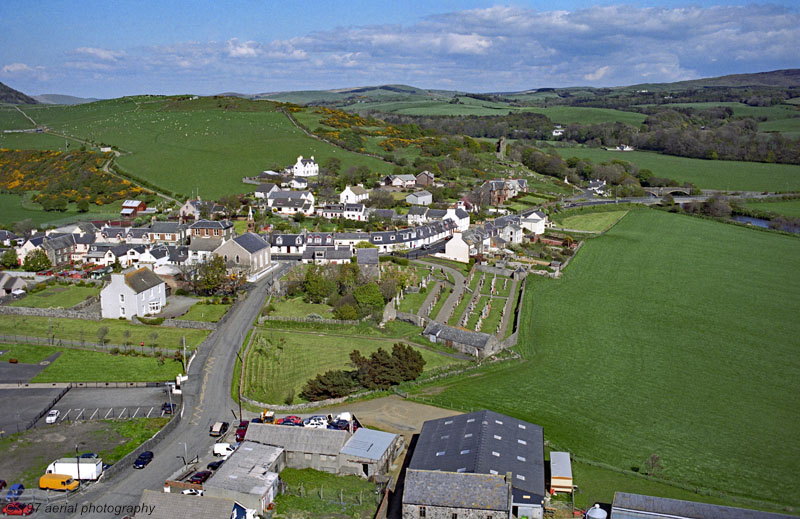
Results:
[355, 94]
[775, 78]
[60, 99]
[15, 97]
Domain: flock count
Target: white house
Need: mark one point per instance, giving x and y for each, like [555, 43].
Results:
[534, 221]
[460, 216]
[283, 194]
[263, 190]
[298, 183]
[353, 195]
[402, 181]
[139, 293]
[420, 198]
[598, 187]
[305, 167]
[456, 249]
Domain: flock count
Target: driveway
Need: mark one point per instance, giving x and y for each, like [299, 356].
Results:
[177, 306]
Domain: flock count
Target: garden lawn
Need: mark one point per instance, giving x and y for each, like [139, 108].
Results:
[668, 335]
[788, 208]
[26, 353]
[705, 174]
[204, 312]
[92, 366]
[282, 362]
[592, 222]
[80, 329]
[296, 307]
[58, 296]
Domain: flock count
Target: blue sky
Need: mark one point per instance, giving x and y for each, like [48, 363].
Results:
[109, 49]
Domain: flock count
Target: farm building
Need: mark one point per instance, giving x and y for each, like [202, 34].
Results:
[420, 198]
[138, 293]
[636, 506]
[249, 476]
[472, 343]
[507, 454]
[130, 208]
[560, 472]
[365, 453]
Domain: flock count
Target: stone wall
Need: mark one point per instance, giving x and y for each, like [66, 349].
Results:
[494, 270]
[308, 405]
[49, 312]
[89, 301]
[411, 318]
[305, 320]
[180, 323]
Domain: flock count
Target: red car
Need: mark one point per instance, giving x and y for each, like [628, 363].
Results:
[18, 509]
[290, 420]
[200, 477]
[241, 431]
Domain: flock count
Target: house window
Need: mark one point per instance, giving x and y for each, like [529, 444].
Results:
[155, 307]
[307, 455]
[520, 458]
[454, 516]
[422, 511]
[237, 259]
[122, 298]
[378, 238]
[216, 232]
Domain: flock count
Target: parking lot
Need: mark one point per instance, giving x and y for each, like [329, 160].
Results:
[19, 406]
[99, 404]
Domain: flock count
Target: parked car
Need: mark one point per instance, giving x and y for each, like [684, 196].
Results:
[218, 429]
[89, 455]
[214, 465]
[143, 459]
[316, 422]
[241, 431]
[18, 509]
[256, 420]
[200, 477]
[52, 416]
[192, 492]
[290, 420]
[168, 408]
[223, 449]
[14, 492]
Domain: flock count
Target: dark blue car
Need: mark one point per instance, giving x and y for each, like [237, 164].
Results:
[143, 459]
[14, 492]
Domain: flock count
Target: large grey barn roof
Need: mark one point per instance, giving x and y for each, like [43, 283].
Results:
[450, 489]
[485, 442]
[168, 505]
[298, 439]
[635, 506]
[459, 335]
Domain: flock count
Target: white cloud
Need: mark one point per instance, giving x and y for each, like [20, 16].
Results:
[242, 50]
[103, 54]
[16, 68]
[597, 74]
[22, 70]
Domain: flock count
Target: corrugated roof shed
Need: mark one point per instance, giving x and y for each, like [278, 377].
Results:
[560, 465]
[248, 470]
[456, 490]
[635, 506]
[369, 443]
[298, 439]
[177, 506]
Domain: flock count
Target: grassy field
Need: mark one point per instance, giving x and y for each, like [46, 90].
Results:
[14, 208]
[789, 208]
[77, 330]
[296, 307]
[191, 145]
[58, 297]
[207, 313]
[282, 362]
[705, 174]
[321, 496]
[89, 366]
[636, 350]
[595, 222]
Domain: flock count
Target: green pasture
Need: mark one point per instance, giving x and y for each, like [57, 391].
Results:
[86, 330]
[788, 127]
[12, 119]
[279, 362]
[788, 208]
[296, 307]
[592, 222]
[705, 174]
[195, 145]
[14, 208]
[206, 313]
[74, 365]
[668, 335]
[58, 296]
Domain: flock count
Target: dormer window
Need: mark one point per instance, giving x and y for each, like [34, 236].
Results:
[279, 241]
[378, 238]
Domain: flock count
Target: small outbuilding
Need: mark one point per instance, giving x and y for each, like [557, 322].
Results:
[420, 198]
[369, 452]
[560, 472]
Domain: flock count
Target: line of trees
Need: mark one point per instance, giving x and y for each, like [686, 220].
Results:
[380, 370]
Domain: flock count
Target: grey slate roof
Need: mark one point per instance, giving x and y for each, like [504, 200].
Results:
[417, 210]
[456, 490]
[251, 242]
[171, 505]
[369, 443]
[485, 442]
[328, 253]
[630, 506]
[142, 279]
[249, 470]
[384, 213]
[436, 214]
[460, 213]
[265, 188]
[205, 244]
[167, 227]
[351, 236]
[282, 240]
[178, 254]
[211, 224]
[63, 241]
[367, 256]
[460, 335]
[298, 439]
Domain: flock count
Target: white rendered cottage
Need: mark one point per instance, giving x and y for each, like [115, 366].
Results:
[138, 293]
[305, 167]
[353, 195]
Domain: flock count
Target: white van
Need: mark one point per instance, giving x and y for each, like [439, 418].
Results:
[223, 449]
